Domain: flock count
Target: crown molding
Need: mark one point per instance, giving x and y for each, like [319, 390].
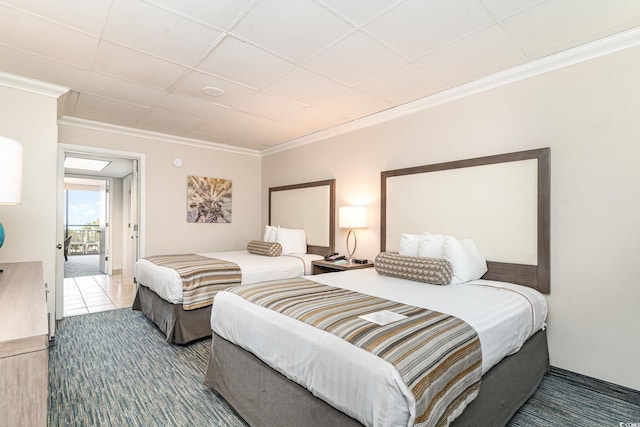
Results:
[34, 86]
[605, 46]
[158, 136]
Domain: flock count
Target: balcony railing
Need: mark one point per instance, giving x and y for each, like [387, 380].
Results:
[85, 239]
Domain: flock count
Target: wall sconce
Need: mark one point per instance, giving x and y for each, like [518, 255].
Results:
[10, 176]
[352, 217]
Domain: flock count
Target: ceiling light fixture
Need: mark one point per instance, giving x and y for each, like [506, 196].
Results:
[85, 164]
[213, 91]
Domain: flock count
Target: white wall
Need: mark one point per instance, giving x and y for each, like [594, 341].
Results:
[30, 118]
[588, 115]
[165, 192]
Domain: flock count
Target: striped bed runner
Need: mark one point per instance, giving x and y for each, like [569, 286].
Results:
[201, 276]
[437, 355]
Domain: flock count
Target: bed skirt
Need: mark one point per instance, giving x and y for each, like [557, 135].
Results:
[179, 325]
[264, 397]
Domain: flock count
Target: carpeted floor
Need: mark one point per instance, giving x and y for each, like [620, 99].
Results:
[82, 265]
[114, 368]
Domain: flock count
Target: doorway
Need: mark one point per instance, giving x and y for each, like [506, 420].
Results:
[98, 208]
[86, 220]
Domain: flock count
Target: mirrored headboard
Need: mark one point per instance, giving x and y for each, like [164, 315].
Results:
[309, 206]
[501, 202]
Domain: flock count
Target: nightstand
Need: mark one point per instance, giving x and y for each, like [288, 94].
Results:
[322, 266]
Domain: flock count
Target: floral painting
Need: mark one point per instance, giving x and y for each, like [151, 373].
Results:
[208, 200]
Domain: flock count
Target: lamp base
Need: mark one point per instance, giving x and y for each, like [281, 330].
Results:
[355, 245]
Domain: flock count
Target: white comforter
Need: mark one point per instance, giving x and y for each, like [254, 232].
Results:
[167, 284]
[353, 380]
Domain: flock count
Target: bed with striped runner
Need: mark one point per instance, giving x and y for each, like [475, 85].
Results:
[438, 356]
[201, 276]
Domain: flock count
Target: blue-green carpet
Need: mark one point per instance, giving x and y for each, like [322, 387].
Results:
[115, 369]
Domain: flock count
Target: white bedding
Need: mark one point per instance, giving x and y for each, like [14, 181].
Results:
[167, 284]
[353, 380]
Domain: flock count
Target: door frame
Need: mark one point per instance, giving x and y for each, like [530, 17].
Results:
[62, 149]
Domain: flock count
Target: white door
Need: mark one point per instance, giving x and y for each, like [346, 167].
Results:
[130, 215]
[127, 238]
[103, 231]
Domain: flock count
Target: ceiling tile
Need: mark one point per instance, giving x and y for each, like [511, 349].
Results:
[220, 13]
[316, 118]
[43, 69]
[87, 16]
[359, 11]
[151, 29]
[270, 106]
[416, 27]
[109, 106]
[236, 60]
[220, 131]
[114, 88]
[135, 66]
[190, 106]
[254, 140]
[473, 56]
[402, 85]
[167, 121]
[355, 59]
[287, 130]
[294, 29]
[502, 9]
[568, 23]
[242, 120]
[99, 116]
[305, 86]
[193, 83]
[352, 103]
[36, 35]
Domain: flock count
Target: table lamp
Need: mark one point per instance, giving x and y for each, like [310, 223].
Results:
[352, 217]
[10, 176]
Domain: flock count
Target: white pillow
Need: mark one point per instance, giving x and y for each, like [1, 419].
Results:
[465, 258]
[270, 234]
[431, 246]
[293, 241]
[409, 244]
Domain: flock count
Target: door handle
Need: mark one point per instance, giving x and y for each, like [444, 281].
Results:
[59, 246]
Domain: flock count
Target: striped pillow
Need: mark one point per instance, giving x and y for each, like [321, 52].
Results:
[436, 271]
[258, 247]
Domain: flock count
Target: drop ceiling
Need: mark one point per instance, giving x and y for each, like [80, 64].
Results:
[286, 68]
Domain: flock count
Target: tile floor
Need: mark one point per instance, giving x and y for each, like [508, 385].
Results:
[91, 294]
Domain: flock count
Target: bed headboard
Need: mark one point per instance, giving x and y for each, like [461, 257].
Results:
[502, 202]
[310, 206]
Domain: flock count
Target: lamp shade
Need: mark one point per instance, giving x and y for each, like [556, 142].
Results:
[10, 172]
[352, 217]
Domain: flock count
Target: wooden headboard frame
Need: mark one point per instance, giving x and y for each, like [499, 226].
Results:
[331, 183]
[534, 276]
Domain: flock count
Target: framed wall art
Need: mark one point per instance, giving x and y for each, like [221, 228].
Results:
[209, 199]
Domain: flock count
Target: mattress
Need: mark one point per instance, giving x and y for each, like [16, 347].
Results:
[355, 381]
[167, 284]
